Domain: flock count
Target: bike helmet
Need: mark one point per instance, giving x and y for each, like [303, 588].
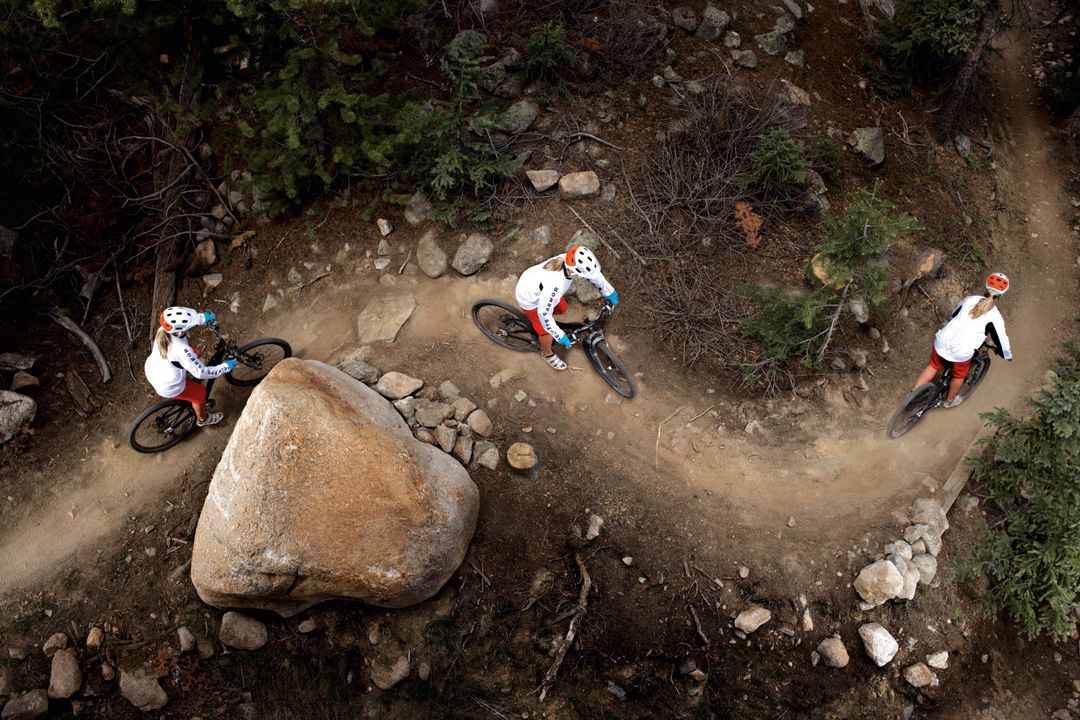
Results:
[997, 284]
[178, 320]
[581, 261]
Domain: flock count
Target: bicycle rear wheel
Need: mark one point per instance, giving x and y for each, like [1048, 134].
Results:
[607, 363]
[161, 426]
[257, 358]
[912, 409]
[505, 325]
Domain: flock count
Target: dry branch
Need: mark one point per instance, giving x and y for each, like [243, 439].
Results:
[571, 630]
[70, 325]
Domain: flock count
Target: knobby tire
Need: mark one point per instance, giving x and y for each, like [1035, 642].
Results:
[175, 415]
[912, 409]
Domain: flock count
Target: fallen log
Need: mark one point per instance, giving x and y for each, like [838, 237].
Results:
[72, 327]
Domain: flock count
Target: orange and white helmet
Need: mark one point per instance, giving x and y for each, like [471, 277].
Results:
[177, 320]
[997, 284]
[581, 261]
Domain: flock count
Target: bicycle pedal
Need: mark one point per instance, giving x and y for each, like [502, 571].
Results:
[209, 403]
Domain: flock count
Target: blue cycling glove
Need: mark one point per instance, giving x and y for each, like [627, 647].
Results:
[208, 317]
[564, 341]
[613, 298]
[231, 363]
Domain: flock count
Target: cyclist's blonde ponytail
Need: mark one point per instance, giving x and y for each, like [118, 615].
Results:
[555, 263]
[161, 342]
[982, 307]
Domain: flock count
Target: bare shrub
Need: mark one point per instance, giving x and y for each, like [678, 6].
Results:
[686, 196]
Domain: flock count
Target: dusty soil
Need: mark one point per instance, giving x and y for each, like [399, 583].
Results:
[93, 532]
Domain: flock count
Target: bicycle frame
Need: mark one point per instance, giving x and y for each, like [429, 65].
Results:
[589, 329]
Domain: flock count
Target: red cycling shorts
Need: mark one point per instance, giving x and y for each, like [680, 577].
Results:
[959, 369]
[194, 392]
[534, 316]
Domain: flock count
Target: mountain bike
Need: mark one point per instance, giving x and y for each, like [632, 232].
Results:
[165, 424]
[930, 395]
[510, 328]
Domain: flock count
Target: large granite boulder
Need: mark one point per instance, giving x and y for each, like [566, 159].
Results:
[323, 492]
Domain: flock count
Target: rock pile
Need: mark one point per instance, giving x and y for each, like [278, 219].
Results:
[909, 561]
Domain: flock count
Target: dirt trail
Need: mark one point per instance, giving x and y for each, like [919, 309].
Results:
[837, 482]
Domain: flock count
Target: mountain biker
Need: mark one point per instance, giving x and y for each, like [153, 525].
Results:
[540, 289]
[972, 320]
[172, 358]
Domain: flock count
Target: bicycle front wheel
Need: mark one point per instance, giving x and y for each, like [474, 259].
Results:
[912, 409]
[161, 426]
[607, 363]
[505, 325]
[256, 359]
[979, 367]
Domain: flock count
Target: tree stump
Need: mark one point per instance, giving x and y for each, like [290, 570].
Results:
[522, 459]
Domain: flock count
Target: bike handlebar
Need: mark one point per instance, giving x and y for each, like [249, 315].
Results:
[606, 309]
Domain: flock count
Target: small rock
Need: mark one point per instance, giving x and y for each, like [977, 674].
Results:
[796, 58]
[899, 547]
[423, 670]
[94, 638]
[65, 679]
[385, 227]
[204, 256]
[911, 583]
[858, 358]
[927, 566]
[773, 42]
[796, 94]
[187, 639]
[713, 23]
[869, 143]
[212, 280]
[807, 621]
[794, 9]
[685, 18]
[745, 58]
[518, 117]
[472, 254]
[142, 690]
[967, 503]
[395, 385]
[918, 548]
[628, 561]
[431, 414]
[617, 691]
[859, 310]
[542, 235]
[29, 706]
[488, 457]
[732, 39]
[269, 303]
[386, 676]
[463, 407]
[880, 645]
[744, 572]
[833, 652]
[579, 185]
[463, 448]
[56, 641]
[879, 582]
[752, 618]
[425, 435]
[542, 179]
[204, 647]
[938, 660]
[446, 437]
[448, 391]
[430, 256]
[595, 523]
[918, 675]
[418, 209]
[360, 370]
[521, 396]
[242, 632]
[480, 423]
[929, 511]
[108, 674]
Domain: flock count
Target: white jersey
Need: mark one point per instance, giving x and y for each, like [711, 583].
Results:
[539, 289]
[167, 374]
[958, 341]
